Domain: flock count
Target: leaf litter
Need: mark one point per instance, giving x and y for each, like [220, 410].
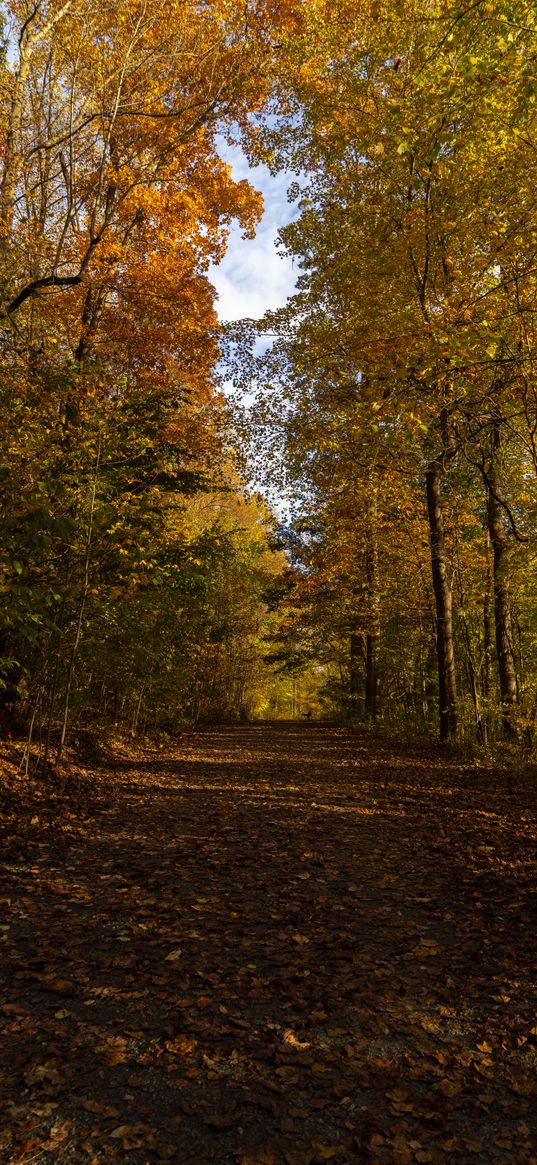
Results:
[269, 945]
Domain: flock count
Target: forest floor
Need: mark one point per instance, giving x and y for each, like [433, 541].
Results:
[269, 945]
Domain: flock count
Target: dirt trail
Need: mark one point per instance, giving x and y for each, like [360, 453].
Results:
[271, 945]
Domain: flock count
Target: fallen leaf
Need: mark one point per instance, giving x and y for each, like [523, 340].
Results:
[426, 948]
[450, 1087]
[99, 1107]
[129, 1131]
[173, 956]
[325, 1151]
[59, 986]
[114, 1057]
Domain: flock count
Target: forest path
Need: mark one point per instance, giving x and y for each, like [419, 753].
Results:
[270, 945]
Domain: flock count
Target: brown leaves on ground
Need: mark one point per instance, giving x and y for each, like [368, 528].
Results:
[274, 945]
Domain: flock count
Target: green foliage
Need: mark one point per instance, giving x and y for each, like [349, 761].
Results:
[133, 577]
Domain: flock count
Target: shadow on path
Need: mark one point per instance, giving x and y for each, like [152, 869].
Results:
[272, 945]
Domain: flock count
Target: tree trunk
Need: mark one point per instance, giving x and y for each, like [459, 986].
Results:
[30, 37]
[355, 662]
[82, 607]
[502, 607]
[471, 669]
[372, 652]
[136, 713]
[487, 627]
[447, 683]
[12, 158]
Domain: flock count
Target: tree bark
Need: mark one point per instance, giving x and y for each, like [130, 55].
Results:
[355, 658]
[503, 624]
[487, 627]
[31, 35]
[447, 682]
[372, 652]
[82, 607]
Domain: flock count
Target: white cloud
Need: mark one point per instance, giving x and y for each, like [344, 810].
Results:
[252, 276]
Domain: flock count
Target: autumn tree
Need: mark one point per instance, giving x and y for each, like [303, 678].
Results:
[114, 201]
[415, 237]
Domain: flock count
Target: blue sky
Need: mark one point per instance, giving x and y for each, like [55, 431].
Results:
[253, 276]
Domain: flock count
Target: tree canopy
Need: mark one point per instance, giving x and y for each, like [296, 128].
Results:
[401, 378]
[395, 405]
